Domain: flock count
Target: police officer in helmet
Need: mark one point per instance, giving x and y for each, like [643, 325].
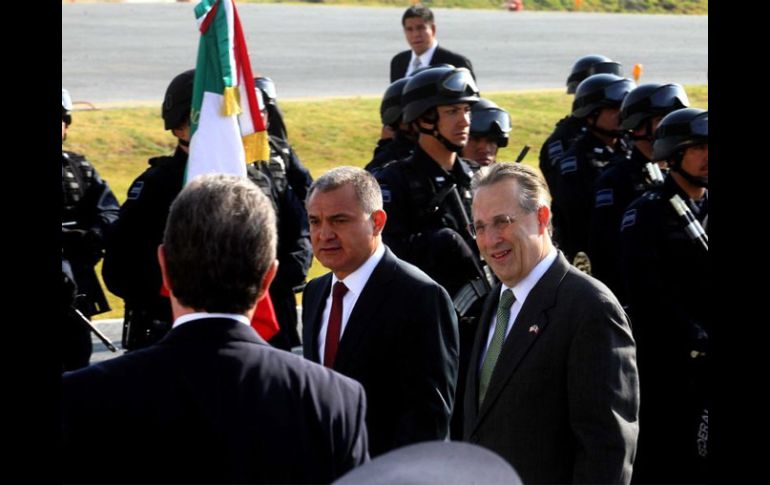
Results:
[131, 268]
[398, 137]
[88, 209]
[285, 181]
[667, 274]
[629, 174]
[427, 198]
[597, 102]
[490, 128]
[568, 128]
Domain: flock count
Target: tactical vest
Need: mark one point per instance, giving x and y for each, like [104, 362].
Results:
[77, 176]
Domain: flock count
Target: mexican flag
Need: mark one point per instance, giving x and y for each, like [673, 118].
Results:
[227, 129]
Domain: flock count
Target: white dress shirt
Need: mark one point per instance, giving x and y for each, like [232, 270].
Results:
[520, 291]
[425, 58]
[200, 315]
[355, 283]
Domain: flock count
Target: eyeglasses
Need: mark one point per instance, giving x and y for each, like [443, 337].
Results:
[499, 223]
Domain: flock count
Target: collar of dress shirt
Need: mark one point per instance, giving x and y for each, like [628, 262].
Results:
[356, 280]
[426, 56]
[200, 315]
[523, 287]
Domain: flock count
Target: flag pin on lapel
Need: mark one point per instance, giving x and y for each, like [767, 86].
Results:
[534, 329]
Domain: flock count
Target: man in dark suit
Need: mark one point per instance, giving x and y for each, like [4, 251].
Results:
[420, 32]
[212, 402]
[376, 318]
[553, 385]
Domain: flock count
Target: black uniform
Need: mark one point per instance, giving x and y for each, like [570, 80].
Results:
[295, 253]
[572, 192]
[566, 132]
[623, 181]
[432, 235]
[88, 208]
[397, 148]
[131, 268]
[668, 282]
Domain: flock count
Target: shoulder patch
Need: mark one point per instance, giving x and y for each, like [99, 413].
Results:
[604, 198]
[555, 149]
[135, 190]
[568, 165]
[629, 219]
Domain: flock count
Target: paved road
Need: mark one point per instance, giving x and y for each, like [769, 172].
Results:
[129, 52]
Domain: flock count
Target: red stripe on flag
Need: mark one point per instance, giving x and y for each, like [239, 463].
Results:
[242, 59]
[209, 18]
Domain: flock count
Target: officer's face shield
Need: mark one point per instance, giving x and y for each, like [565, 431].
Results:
[669, 96]
[267, 86]
[609, 67]
[616, 91]
[66, 107]
[495, 122]
[697, 129]
[459, 83]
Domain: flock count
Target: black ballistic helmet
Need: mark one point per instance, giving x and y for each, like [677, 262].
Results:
[650, 100]
[437, 86]
[678, 130]
[600, 91]
[590, 65]
[390, 107]
[267, 87]
[488, 119]
[66, 107]
[178, 100]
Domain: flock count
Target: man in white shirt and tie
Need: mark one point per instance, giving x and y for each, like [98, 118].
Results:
[552, 385]
[420, 32]
[376, 318]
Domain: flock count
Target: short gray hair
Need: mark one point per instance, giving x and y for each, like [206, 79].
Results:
[365, 185]
[533, 191]
[219, 242]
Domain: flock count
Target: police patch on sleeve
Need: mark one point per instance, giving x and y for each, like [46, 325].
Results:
[385, 193]
[629, 219]
[135, 190]
[604, 198]
[568, 165]
[555, 149]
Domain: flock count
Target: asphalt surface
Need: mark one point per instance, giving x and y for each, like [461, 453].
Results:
[127, 53]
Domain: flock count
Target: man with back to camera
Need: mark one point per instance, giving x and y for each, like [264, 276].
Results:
[552, 385]
[376, 318]
[420, 31]
[212, 402]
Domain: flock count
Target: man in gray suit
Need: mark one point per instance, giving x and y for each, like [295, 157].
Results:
[552, 385]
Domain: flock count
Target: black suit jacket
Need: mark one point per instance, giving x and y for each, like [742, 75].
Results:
[401, 343]
[211, 403]
[563, 400]
[400, 62]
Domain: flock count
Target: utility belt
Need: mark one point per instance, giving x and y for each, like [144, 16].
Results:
[143, 327]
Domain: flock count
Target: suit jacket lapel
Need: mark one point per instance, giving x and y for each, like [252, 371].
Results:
[366, 309]
[316, 304]
[472, 382]
[530, 324]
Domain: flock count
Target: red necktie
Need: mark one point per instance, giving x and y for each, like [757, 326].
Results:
[334, 328]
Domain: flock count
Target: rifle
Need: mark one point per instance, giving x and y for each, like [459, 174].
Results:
[522, 154]
[692, 227]
[93, 329]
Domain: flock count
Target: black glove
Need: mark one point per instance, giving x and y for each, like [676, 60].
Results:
[82, 244]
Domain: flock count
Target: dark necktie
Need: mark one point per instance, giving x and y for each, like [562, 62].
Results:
[334, 328]
[496, 345]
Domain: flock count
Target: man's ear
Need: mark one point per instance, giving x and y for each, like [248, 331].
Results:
[267, 279]
[163, 269]
[379, 217]
[543, 217]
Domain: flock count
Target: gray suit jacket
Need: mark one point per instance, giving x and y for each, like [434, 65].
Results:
[563, 401]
